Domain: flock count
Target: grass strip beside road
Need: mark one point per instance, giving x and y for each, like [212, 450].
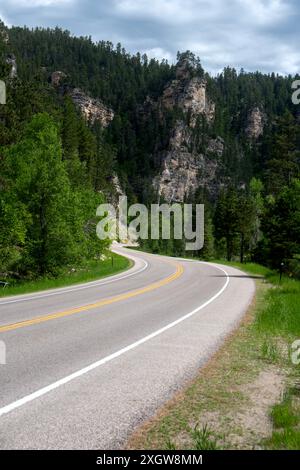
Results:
[91, 271]
[248, 395]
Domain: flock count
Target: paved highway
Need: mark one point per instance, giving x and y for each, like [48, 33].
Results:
[86, 365]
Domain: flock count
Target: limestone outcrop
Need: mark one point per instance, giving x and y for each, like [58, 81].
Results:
[183, 168]
[91, 108]
[256, 123]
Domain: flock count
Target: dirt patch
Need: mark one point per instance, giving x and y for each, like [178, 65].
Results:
[263, 393]
[250, 424]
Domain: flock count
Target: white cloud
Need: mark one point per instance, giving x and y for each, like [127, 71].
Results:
[168, 11]
[38, 3]
[253, 34]
[3, 18]
[185, 11]
[158, 53]
[289, 60]
[266, 11]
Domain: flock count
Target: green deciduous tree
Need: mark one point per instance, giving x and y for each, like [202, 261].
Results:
[56, 229]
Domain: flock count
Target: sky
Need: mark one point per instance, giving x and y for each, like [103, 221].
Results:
[251, 34]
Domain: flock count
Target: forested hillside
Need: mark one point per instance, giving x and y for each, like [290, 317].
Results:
[79, 114]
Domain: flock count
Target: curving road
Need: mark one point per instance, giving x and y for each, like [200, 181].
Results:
[87, 364]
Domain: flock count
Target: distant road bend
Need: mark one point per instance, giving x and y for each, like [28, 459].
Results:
[87, 364]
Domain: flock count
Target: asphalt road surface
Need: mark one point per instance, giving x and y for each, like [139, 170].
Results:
[86, 365]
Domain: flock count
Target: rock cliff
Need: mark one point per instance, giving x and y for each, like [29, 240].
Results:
[190, 96]
[57, 77]
[183, 168]
[183, 172]
[12, 62]
[92, 108]
[256, 123]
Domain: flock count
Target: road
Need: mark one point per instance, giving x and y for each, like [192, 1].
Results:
[86, 365]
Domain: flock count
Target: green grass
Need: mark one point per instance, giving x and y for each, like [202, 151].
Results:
[286, 419]
[288, 439]
[278, 319]
[284, 414]
[251, 268]
[269, 351]
[92, 270]
[280, 312]
[203, 439]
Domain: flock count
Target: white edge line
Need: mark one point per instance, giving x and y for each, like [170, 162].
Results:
[43, 391]
[89, 285]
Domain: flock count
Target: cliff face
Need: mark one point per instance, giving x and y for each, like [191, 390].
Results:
[91, 108]
[57, 77]
[256, 123]
[10, 58]
[183, 172]
[3, 33]
[183, 168]
[190, 96]
[12, 62]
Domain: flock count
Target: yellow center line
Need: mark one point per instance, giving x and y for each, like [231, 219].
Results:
[101, 303]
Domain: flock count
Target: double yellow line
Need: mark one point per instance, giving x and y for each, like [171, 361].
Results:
[101, 303]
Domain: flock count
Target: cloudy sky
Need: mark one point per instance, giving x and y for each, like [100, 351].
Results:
[253, 34]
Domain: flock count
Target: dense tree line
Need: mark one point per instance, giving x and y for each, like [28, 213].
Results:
[55, 168]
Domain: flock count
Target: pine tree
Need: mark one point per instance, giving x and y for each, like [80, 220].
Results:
[284, 163]
[226, 220]
[281, 225]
